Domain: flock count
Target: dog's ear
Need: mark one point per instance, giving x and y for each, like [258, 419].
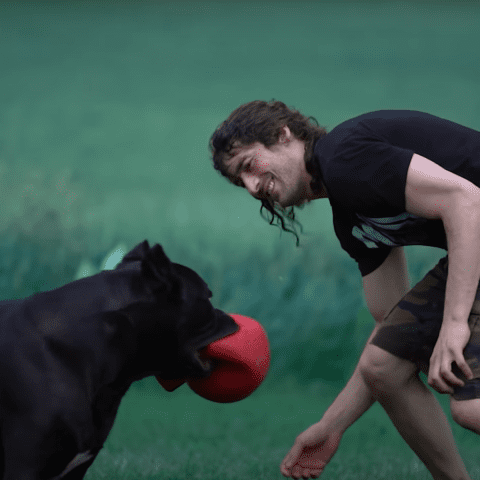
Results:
[155, 265]
[137, 253]
[156, 260]
[194, 277]
[155, 255]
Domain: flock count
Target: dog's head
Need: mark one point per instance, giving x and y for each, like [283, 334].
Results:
[222, 359]
[201, 323]
[182, 301]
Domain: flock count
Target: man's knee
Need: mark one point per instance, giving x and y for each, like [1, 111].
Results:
[383, 371]
[466, 413]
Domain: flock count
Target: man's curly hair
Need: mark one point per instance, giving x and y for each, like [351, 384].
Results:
[261, 121]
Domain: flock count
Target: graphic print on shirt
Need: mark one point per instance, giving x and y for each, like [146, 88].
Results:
[404, 229]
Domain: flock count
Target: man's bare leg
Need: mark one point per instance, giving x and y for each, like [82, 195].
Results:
[466, 413]
[414, 411]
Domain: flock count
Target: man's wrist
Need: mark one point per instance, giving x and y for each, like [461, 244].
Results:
[332, 422]
[452, 322]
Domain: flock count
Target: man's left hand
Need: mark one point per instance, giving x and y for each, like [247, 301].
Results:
[449, 348]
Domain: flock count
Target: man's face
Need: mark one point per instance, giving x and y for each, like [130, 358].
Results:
[277, 173]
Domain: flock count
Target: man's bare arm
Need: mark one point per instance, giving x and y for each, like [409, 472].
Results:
[435, 193]
[314, 447]
[383, 288]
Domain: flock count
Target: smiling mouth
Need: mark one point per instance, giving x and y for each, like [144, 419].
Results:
[270, 187]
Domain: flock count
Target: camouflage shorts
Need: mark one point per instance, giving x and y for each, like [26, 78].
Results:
[411, 329]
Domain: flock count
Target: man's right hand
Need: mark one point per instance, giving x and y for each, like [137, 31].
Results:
[310, 453]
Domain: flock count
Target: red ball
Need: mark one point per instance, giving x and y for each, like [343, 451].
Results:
[241, 362]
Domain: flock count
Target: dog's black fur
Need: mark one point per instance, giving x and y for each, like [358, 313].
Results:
[68, 356]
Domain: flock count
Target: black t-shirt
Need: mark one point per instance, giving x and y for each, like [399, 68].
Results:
[364, 163]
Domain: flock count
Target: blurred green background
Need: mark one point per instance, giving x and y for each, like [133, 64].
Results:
[107, 109]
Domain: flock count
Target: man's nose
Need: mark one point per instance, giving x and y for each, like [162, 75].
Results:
[252, 183]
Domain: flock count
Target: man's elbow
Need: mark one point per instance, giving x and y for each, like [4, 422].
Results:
[377, 314]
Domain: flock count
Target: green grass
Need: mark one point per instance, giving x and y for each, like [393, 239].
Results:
[182, 436]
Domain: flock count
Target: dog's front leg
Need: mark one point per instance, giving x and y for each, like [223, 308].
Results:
[78, 467]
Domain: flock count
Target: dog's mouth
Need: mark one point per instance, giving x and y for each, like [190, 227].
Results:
[207, 363]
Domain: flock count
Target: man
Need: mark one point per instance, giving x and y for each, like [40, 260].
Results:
[393, 178]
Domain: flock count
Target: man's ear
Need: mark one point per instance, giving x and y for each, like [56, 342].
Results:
[285, 135]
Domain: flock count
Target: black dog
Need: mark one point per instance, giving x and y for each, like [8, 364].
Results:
[68, 356]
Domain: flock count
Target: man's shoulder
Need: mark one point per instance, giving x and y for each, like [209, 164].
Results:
[380, 118]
